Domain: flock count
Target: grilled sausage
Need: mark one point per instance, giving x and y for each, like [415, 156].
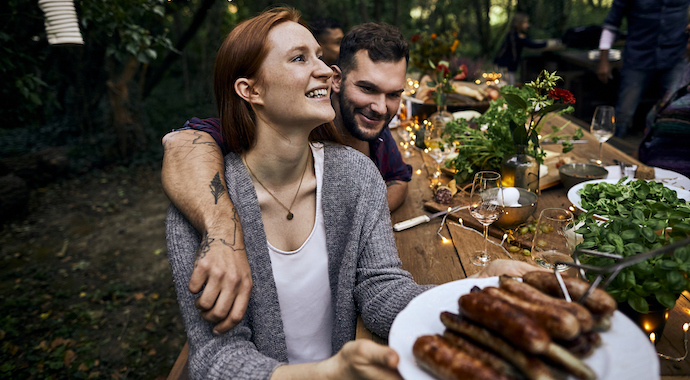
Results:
[506, 320]
[599, 302]
[447, 362]
[489, 358]
[530, 293]
[559, 323]
[531, 367]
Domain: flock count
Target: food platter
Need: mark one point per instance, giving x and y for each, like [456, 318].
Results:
[665, 176]
[576, 200]
[625, 352]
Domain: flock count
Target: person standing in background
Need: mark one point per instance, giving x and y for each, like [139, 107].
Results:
[508, 56]
[653, 51]
[328, 33]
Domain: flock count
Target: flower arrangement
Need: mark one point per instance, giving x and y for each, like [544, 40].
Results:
[425, 47]
[516, 118]
[442, 85]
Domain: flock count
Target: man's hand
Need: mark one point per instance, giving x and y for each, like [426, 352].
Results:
[222, 266]
[604, 70]
[193, 179]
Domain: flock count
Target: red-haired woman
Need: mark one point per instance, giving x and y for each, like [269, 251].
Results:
[314, 215]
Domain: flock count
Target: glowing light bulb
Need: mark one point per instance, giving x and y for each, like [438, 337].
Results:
[685, 327]
[652, 337]
[419, 171]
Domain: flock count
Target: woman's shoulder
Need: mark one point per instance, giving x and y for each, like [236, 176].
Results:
[350, 163]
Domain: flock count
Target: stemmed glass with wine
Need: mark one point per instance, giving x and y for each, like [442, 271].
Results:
[603, 126]
[486, 205]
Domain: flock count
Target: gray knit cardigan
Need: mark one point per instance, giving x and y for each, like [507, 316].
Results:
[365, 272]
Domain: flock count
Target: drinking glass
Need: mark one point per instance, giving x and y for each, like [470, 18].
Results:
[554, 239]
[486, 205]
[603, 125]
[436, 147]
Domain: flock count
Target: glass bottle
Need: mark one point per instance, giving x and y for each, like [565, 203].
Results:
[521, 170]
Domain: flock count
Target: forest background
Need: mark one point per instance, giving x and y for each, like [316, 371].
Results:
[85, 291]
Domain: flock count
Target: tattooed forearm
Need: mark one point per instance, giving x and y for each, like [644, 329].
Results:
[217, 188]
[392, 183]
[203, 249]
[199, 135]
[236, 243]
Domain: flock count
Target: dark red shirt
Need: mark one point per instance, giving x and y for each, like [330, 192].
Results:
[384, 150]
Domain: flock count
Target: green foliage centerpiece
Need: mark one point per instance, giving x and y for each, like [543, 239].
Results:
[514, 119]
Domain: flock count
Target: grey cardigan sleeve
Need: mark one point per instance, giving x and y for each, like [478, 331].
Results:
[228, 356]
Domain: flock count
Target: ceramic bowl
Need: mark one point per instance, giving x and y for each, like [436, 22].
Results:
[572, 174]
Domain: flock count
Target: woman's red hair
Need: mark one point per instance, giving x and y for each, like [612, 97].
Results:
[241, 56]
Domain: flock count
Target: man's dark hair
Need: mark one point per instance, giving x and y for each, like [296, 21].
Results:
[319, 26]
[383, 42]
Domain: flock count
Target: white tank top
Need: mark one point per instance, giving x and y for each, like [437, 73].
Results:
[304, 292]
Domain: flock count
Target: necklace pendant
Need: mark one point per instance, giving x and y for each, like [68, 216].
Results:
[290, 216]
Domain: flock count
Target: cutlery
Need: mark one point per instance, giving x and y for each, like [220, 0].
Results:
[425, 218]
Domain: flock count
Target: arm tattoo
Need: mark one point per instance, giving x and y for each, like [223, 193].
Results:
[392, 183]
[217, 188]
[211, 143]
[203, 249]
[234, 244]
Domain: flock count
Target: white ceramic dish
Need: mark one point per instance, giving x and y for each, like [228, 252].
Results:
[625, 352]
[576, 200]
[665, 176]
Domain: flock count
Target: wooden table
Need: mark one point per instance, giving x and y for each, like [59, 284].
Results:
[432, 261]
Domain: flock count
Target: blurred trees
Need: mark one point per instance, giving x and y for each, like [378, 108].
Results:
[161, 53]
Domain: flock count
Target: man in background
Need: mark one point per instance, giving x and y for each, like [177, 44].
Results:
[328, 34]
[654, 50]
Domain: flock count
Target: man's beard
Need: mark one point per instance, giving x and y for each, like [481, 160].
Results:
[347, 114]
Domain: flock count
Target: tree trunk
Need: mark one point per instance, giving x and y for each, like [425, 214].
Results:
[129, 132]
[197, 21]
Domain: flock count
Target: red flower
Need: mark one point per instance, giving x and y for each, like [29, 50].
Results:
[565, 95]
[443, 68]
[415, 38]
[462, 72]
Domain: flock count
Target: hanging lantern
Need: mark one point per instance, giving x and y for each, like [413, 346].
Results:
[62, 25]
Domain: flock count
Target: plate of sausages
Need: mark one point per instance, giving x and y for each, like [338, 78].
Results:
[470, 329]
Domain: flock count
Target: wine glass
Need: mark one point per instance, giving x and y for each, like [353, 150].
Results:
[486, 205]
[603, 125]
[554, 239]
[436, 147]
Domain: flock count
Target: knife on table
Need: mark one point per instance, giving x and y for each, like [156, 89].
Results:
[424, 218]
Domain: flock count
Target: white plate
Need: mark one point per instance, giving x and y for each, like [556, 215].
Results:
[625, 352]
[576, 200]
[665, 176]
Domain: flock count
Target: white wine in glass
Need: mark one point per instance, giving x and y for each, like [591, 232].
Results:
[603, 126]
[486, 205]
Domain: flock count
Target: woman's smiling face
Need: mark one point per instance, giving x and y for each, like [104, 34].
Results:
[295, 84]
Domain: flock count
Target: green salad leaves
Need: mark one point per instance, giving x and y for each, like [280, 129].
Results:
[641, 216]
